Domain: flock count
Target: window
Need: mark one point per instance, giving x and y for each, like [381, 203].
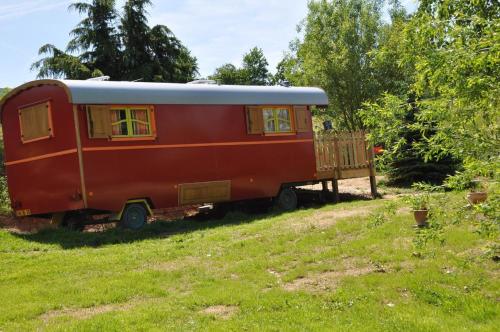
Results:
[278, 119]
[130, 122]
[36, 122]
[121, 122]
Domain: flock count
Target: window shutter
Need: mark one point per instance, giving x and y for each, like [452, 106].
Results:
[35, 122]
[99, 121]
[302, 119]
[255, 121]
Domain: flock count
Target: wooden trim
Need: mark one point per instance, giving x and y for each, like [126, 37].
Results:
[175, 146]
[354, 173]
[80, 155]
[35, 103]
[40, 157]
[35, 139]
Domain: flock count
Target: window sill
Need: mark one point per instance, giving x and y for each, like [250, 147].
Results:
[280, 134]
[36, 139]
[126, 139]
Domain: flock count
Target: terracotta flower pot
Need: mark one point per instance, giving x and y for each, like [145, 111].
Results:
[476, 197]
[421, 217]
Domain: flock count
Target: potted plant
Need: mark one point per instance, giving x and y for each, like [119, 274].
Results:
[420, 207]
[478, 192]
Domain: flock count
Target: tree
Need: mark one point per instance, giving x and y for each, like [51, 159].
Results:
[129, 51]
[172, 62]
[255, 68]
[335, 54]
[59, 64]
[96, 37]
[253, 71]
[228, 74]
[392, 122]
[135, 34]
[455, 46]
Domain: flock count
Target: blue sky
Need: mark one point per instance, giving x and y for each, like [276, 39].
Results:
[216, 31]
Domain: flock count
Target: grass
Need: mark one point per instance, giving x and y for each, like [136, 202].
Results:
[351, 266]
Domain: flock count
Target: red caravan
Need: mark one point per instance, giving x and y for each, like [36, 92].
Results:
[96, 146]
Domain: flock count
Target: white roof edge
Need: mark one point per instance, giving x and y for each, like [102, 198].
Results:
[111, 92]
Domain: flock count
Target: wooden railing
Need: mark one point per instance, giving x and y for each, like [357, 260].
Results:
[343, 155]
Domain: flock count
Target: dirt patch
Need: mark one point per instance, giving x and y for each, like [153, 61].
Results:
[327, 280]
[84, 313]
[324, 220]
[356, 186]
[220, 311]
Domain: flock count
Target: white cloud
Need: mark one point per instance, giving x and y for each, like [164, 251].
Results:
[16, 9]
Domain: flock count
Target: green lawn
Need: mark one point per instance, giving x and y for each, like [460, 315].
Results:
[350, 266]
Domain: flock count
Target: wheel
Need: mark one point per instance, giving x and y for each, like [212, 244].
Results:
[134, 216]
[74, 221]
[287, 200]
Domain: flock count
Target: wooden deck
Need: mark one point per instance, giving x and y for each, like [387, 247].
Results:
[344, 155]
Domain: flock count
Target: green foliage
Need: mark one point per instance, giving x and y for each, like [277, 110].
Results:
[228, 74]
[255, 67]
[392, 123]
[128, 51]
[335, 54]
[456, 46]
[382, 216]
[4, 91]
[474, 172]
[96, 37]
[4, 196]
[136, 40]
[419, 201]
[253, 72]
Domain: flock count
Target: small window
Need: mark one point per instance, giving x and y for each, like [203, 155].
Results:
[35, 122]
[130, 122]
[277, 120]
[121, 122]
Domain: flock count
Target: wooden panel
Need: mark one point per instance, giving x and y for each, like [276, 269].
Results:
[99, 121]
[302, 122]
[35, 122]
[204, 192]
[354, 173]
[255, 121]
[323, 175]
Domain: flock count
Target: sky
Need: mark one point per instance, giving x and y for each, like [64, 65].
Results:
[216, 31]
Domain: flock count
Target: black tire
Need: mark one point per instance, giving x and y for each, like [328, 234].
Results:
[135, 216]
[287, 200]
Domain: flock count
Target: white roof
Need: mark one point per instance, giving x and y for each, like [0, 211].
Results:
[107, 92]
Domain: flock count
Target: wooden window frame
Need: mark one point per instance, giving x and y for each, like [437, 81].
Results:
[49, 121]
[151, 119]
[279, 133]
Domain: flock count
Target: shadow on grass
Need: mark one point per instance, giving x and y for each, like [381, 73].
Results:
[162, 229]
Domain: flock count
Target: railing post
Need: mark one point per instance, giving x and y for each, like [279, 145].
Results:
[336, 171]
[373, 180]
